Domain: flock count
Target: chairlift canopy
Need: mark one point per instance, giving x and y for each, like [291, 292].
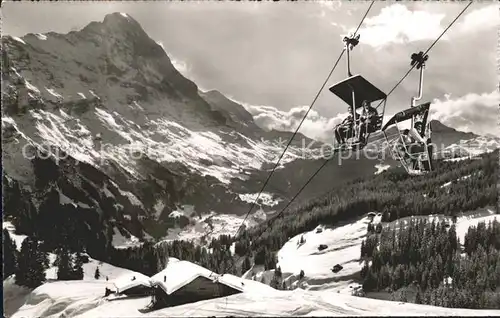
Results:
[363, 91]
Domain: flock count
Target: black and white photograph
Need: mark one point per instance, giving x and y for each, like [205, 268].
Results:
[250, 158]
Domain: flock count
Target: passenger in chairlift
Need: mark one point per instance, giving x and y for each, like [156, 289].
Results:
[417, 141]
[368, 120]
[402, 143]
[417, 131]
[416, 144]
[345, 127]
[404, 146]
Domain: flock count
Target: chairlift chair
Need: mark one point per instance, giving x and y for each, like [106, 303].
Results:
[355, 91]
[415, 161]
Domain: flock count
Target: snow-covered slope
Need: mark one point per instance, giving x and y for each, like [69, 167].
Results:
[343, 247]
[84, 299]
[471, 147]
[14, 296]
[464, 220]
[62, 293]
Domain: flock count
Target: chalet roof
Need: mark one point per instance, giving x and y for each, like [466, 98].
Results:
[243, 284]
[179, 274]
[131, 280]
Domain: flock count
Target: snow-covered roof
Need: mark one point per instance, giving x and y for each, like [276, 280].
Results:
[244, 285]
[130, 281]
[178, 274]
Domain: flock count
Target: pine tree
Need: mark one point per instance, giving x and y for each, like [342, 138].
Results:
[418, 297]
[277, 272]
[64, 264]
[78, 266]
[404, 298]
[97, 274]
[9, 255]
[31, 264]
[23, 263]
[276, 280]
[260, 256]
[364, 270]
[370, 282]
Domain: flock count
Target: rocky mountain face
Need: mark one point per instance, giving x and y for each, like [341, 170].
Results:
[100, 130]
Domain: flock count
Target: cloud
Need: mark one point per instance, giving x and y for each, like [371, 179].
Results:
[476, 113]
[160, 44]
[314, 126]
[179, 65]
[331, 5]
[397, 24]
[480, 19]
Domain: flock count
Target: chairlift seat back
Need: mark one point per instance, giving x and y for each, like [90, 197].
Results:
[376, 124]
[363, 91]
[408, 114]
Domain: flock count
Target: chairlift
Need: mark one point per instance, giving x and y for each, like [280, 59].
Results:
[413, 147]
[358, 92]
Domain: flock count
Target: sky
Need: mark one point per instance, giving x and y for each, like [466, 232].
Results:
[273, 57]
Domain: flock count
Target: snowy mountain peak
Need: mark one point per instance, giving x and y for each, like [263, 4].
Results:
[121, 20]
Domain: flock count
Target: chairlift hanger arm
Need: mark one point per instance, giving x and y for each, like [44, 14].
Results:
[418, 61]
[350, 43]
